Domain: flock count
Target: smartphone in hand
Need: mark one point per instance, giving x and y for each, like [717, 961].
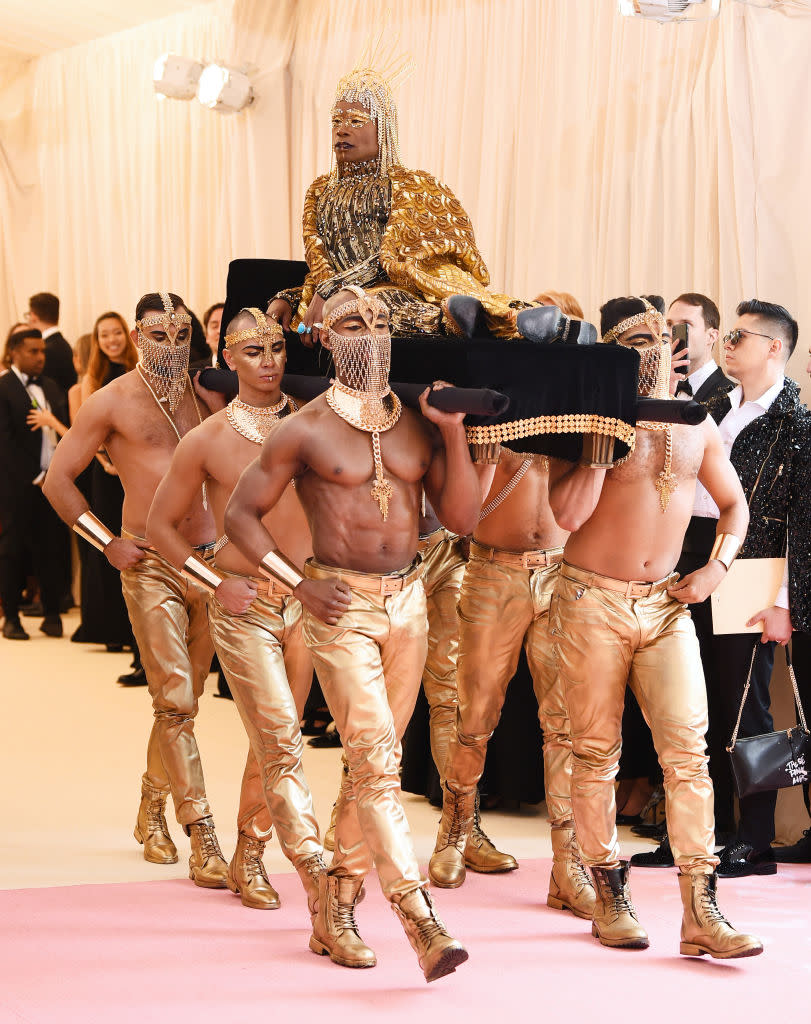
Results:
[681, 345]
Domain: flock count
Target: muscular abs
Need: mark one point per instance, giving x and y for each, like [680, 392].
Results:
[335, 484]
[524, 520]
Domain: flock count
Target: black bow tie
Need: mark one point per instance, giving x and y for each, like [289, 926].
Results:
[684, 386]
[34, 380]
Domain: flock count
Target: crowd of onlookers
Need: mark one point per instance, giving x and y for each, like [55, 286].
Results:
[47, 380]
[44, 381]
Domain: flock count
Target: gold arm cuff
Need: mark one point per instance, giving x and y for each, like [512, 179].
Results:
[277, 566]
[598, 451]
[725, 548]
[486, 454]
[93, 530]
[198, 571]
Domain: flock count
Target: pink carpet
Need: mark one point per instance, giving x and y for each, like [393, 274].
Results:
[166, 950]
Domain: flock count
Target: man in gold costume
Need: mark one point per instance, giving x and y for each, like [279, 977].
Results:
[400, 234]
[255, 622]
[139, 419]
[504, 603]
[619, 617]
[360, 462]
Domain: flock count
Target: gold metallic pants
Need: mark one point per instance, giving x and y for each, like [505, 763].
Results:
[170, 623]
[443, 570]
[369, 667]
[269, 671]
[605, 640]
[502, 606]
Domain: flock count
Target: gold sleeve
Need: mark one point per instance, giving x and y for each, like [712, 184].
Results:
[428, 245]
[318, 261]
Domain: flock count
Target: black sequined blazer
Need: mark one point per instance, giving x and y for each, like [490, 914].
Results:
[771, 458]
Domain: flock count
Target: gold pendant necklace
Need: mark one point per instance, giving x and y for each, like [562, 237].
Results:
[368, 413]
[666, 482]
[254, 422]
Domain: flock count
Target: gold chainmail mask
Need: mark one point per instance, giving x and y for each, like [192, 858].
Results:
[654, 382]
[360, 393]
[165, 362]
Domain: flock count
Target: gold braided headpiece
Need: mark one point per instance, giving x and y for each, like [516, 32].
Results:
[370, 83]
[263, 327]
[650, 316]
[368, 306]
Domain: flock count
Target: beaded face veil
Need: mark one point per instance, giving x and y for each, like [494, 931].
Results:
[362, 361]
[166, 362]
[370, 83]
[654, 356]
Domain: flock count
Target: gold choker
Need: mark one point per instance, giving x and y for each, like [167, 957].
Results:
[373, 414]
[256, 422]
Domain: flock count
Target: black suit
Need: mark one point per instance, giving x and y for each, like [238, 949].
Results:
[59, 364]
[31, 530]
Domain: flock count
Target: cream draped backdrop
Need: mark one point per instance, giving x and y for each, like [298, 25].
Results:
[594, 154]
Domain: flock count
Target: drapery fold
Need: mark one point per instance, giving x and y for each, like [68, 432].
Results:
[594, 154]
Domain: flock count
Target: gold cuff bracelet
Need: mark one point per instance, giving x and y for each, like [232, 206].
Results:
[198, 571]
[485, 454]
[725, 548]
[93, 530]
[276, 566]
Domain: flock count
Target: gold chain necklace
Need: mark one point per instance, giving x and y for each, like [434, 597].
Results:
[666, 483]
[171, 420]
[368, 413]
[256, 422]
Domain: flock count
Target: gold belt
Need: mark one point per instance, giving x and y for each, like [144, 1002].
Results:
[519, 559]
[430, 540]
[630, 588]
[264, 586]
[201, 549]
[369, 583]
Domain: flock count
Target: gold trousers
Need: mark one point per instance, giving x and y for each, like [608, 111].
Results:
[170, 622]
[605, 640]
[501, 607]
[443, 570]
[269, 671]
[369, 667]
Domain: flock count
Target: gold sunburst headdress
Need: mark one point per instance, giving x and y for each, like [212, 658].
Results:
[371, 83]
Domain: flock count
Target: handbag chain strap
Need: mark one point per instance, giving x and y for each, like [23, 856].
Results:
[797, 700]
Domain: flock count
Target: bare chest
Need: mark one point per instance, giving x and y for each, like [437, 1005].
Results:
[345, 456]
[651, 452]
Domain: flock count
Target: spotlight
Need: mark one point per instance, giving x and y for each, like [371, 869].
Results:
[670, 10]
[175, 76]
[224, 89]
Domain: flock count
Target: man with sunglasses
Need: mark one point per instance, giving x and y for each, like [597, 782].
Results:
[765, 428]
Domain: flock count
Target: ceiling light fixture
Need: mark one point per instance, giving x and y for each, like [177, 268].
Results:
[224, 89]
[176, 77]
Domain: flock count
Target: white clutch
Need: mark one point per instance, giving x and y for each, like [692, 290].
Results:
[750, 585]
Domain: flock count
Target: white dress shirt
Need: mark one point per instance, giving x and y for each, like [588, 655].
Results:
[738, 417]
[38, 399]
[49, 331]
[702, 374]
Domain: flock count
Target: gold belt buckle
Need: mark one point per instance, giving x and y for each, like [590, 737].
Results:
[533, 559]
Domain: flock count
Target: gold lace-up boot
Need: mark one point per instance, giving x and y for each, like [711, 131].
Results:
[247, 876]
[570, 887]
[151, 829]
[309, 871]
[704, 929]
[447, 865]
[437, 952]
[614, 922]
[335, 933]
[207, 865]
[480, 852]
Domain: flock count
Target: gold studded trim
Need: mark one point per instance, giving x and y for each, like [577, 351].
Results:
[580, 423]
